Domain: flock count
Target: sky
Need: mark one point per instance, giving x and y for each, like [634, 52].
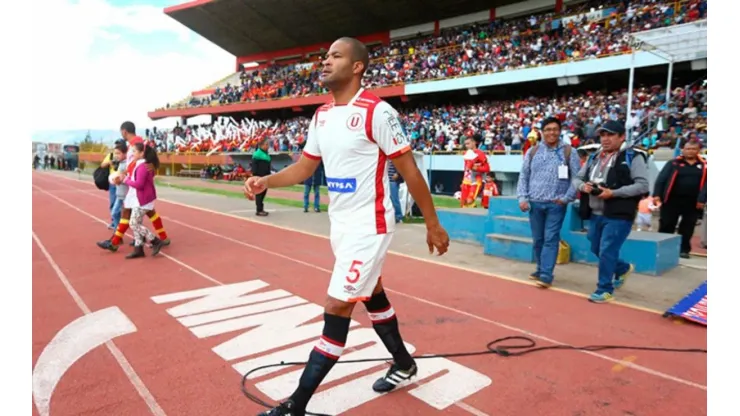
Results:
[104, 62]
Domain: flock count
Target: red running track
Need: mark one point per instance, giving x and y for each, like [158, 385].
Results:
[186, 359]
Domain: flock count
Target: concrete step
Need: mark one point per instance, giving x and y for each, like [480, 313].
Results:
[509, 247]
[511, 225]
[506, 205]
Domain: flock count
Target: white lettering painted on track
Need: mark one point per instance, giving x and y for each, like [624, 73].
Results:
[275, 321]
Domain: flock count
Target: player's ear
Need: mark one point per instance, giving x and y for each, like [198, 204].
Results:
[357, 68]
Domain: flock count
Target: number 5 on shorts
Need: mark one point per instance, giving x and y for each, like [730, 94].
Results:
[354, 272]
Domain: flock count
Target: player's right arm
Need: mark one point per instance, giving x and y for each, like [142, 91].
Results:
[293, 174]
[306, 165]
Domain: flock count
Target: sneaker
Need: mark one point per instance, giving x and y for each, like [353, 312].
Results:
[534, 276]
[107, 245]
[393, 378]
[619, 280]
[286, 408]
[601, 297]
[544, 285]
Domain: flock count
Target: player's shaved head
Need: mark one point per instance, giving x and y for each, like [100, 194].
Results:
[358, 52]
[344, 65]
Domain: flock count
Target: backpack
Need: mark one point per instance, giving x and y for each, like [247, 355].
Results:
[533, 150]
[100, 176]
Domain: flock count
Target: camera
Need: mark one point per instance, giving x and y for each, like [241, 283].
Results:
[595, 190]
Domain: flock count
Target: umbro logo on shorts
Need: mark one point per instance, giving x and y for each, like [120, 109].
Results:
[343, 185]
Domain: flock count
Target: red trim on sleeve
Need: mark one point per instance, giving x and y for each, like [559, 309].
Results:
[310, 156]
[399, 152]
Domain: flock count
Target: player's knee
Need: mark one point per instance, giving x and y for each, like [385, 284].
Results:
[378, 302]
[337, 307]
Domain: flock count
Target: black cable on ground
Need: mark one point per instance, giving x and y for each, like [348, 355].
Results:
[496, 347]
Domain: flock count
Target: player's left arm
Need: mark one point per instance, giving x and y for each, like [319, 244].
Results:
[394, 142]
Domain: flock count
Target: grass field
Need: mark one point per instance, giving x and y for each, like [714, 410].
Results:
[439, 201]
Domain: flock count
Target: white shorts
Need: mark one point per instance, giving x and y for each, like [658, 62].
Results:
[358, 265]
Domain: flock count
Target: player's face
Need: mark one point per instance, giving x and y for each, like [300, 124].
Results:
[338, 66]
[469, 144]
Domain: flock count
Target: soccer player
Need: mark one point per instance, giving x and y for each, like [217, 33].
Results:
[128, 132]
[354, 136]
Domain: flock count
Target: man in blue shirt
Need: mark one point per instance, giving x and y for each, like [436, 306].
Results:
[544, 189]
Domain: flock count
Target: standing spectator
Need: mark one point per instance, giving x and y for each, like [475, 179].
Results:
[704, 229]
[261, 167]
[395, 180]
[612, 183]
[314, 181]
[681, 186]
[544, 189]
[111, 163]
[119, 154]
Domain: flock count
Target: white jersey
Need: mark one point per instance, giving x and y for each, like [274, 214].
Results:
[355, 142]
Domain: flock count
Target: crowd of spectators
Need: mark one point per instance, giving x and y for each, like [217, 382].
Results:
[497, 46]
[498, 126]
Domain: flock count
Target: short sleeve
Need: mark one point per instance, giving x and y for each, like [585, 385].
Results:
[388, 131]
[311, 150]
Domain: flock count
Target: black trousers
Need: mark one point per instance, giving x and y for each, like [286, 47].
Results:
[669, 214]
[259, 200]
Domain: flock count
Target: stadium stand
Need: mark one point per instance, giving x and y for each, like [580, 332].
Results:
[501, 126]
[485, 47]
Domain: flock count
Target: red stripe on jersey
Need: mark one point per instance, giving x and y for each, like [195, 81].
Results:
[380, 225]
[310, 156]
[325, 107]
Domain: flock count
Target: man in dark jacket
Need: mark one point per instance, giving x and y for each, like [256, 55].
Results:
[612, 182]
[261, 167]
[681, 188]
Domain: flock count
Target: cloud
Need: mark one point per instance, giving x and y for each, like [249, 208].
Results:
[93, 68]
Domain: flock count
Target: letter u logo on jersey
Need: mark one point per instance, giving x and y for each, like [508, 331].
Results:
[354, 122]
[341, 185]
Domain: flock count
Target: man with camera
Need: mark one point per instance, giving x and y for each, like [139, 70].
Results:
[612, 182]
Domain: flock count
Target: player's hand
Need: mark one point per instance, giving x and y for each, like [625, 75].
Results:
[437, 238]
[254, 185]
[524, 206]
[587, 188]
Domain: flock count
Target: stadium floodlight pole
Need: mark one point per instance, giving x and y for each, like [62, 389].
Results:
[629, 97]
[668, 84]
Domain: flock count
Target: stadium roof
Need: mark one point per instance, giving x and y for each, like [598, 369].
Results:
[683, 42]
[246, 27]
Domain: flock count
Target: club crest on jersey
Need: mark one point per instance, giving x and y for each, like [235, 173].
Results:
[342, 185]
[354, 122]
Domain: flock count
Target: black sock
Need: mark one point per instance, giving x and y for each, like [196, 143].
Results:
[322, 358]
[386, 326]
